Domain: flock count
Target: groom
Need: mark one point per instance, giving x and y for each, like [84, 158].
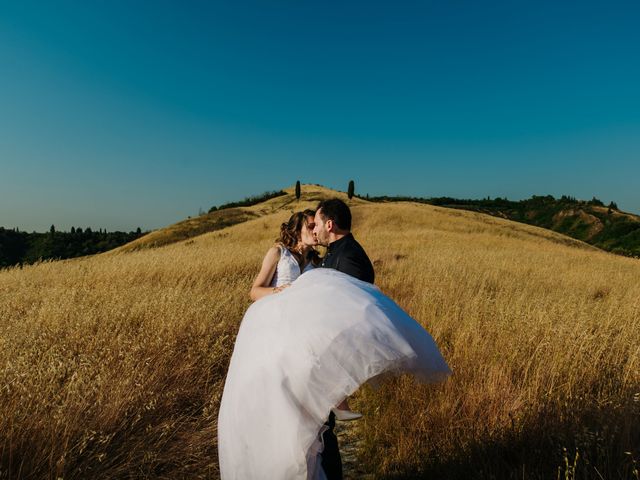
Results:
[333, 230]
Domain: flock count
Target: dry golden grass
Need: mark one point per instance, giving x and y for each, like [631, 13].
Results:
[113, 365]
[185, 229]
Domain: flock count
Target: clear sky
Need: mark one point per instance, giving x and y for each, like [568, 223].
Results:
[119, 114]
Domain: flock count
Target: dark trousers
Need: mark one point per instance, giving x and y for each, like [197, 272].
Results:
[331, 461]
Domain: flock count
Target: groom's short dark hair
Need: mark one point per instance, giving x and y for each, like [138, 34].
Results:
[337, 211]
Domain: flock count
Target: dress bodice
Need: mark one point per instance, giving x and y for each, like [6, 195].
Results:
[288, 268]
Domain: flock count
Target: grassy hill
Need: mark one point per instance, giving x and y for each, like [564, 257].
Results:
[590, 221]
[219, 219]
[112, 366]
[603, 227]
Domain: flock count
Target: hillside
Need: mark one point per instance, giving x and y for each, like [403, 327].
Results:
[590, 221]
[219, 219]
[113, 365]
[603, 227]
[309, 198]
[607, 228]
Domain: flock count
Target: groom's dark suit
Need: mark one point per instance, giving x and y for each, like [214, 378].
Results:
[347, 256]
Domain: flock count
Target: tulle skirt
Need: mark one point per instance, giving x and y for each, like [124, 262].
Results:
[298, 354]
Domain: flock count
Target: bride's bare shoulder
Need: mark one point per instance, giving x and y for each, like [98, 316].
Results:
[275, 251]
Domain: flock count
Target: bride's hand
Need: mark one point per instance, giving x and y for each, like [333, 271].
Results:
[281, 287]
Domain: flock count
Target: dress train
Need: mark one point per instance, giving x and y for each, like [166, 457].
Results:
[298, 354]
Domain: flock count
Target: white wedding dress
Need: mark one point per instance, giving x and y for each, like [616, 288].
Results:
[288, 268]
[299, 353]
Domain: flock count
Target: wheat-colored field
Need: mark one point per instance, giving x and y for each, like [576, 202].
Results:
[112, 366]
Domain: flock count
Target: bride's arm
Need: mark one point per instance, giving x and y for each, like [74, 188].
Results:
[260, 286]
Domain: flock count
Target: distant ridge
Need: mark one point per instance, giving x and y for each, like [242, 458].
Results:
[604, 227]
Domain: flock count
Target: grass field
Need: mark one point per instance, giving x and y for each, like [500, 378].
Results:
[112, 366]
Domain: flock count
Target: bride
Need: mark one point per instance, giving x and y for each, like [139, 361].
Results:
[303, 351]
[292, 255]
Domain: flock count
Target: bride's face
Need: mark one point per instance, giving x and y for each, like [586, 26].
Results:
[306, 234]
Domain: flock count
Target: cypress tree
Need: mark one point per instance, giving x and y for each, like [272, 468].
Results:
[351, 189]
[298, 190]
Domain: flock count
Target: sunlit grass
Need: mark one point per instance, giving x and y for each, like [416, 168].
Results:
[113, 366]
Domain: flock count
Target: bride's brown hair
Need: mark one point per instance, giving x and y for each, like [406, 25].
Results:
[291, 231]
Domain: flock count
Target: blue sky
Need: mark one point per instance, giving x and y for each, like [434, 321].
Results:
[119, 114]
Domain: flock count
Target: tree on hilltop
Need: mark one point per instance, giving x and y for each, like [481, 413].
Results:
[298, 190]
[351, 189]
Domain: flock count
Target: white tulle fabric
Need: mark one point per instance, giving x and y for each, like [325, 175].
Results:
[287, 269]
[299, 353]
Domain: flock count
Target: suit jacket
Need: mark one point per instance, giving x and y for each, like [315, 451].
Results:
[347, 255]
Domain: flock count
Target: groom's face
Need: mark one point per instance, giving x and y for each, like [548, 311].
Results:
[320, 230]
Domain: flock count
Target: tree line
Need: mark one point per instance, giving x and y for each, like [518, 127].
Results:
[497, 202]
[17, 247]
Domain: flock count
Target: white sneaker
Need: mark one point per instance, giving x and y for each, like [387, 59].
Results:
[345, 415]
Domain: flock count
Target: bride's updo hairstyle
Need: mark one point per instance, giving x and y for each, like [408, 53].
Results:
[291, 231]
